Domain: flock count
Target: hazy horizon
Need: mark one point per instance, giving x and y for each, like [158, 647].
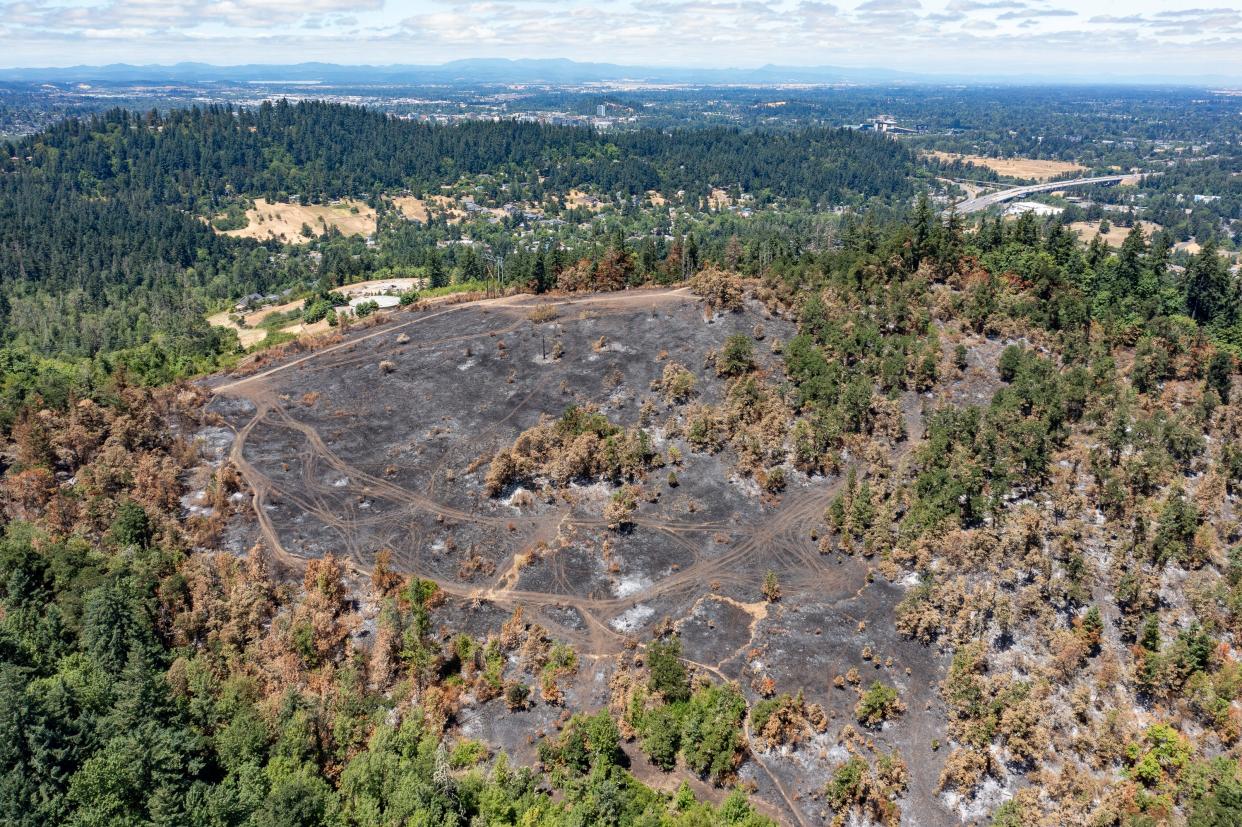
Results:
[1012, 38]
[555, 70]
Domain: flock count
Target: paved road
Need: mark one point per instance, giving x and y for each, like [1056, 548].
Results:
[985, 201]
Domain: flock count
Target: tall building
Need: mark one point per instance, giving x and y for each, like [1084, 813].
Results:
[601, 111]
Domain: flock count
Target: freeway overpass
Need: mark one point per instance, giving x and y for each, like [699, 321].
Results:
[985, 201]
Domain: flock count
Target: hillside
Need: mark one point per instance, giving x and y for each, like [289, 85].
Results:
[107, 256]
[660, 497]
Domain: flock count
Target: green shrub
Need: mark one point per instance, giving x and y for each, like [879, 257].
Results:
[878, 704]
[667, 673]
[736, 357]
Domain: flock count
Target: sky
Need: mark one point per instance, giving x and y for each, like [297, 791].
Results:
[1088, 38]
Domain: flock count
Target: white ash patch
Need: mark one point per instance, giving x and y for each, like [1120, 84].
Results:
[746, 484]
[1173, 587]
[806, 755]
[990, 795]
[213, 442]
[191, 504]
[521, 494]
[473, 727]
[467, 365]
[628, 586]
[617, 400]
[596, 490]
[836, 752]
[794, 477]
[631, 619]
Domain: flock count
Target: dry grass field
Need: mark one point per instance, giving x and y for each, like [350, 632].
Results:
[250, 333]
[1194, 248]
[1116, 234]
[284, 221]
[248, 336]
[1014, 167]
[421, 209]
[578, 198]
[412, 208]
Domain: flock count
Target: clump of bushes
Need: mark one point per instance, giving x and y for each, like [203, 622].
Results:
[621, 507]
[704, 730]
[321, 306]
[736, 357]
[676, 383]
[233, 218]
[542, 313]
[878, 704]
[720, 289]
[786, 720]
[869, 791]
[581, 445]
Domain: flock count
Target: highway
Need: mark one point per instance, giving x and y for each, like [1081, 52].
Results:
[985, 201]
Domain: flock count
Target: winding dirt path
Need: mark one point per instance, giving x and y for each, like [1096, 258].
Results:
[779, 540]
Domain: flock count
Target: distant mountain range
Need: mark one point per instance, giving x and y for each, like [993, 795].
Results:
[481, 70]
[504, 71]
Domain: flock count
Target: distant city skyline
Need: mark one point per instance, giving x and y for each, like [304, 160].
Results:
[1041, 38]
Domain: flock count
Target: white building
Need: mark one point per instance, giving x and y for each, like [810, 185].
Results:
[1021, 207]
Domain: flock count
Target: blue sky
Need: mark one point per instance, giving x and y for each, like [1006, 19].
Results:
[1045, 37]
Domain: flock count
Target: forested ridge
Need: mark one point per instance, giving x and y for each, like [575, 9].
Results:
[320, 150]
[147, 680]
[1062, 526]
[1074, 534]
[106, 257]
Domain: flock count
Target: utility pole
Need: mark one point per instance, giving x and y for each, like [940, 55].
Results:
[497, 268]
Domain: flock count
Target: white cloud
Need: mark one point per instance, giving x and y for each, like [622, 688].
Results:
[984, 5]
[161, 15]
[1030, 14]
[932, 35]
[888, 6]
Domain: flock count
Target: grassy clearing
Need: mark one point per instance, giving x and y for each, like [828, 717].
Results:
[285, 221]
[471, 286]
[1116, 234]
[1030, 168]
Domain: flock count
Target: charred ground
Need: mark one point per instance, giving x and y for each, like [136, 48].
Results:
[383, 442]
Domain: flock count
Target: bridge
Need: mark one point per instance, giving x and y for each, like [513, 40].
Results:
[985, 201]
